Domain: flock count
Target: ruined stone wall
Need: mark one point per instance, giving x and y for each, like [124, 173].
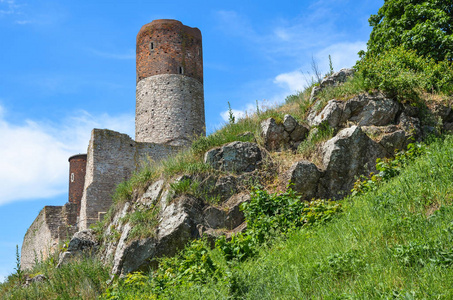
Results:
[112, 158]
[42, 237]
[169, 110]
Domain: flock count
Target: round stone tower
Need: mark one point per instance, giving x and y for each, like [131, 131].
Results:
[170, 98]
[77, 171]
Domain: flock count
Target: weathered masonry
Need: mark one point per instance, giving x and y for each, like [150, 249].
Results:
[169, 115]
[170, 101]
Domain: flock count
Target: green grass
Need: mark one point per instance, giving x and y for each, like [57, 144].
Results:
[82, 279]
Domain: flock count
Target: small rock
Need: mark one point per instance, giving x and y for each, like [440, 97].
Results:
[214, 217]
[225, 187]
[235, 216]
[153, 192]
[299, 133]
[289, 123]
[36, 278]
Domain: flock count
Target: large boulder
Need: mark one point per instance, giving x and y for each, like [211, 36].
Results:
[367, 110]
[177, 225]
[349, 154]
[235, 157]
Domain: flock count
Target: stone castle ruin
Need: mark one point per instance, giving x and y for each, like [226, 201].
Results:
[169, 115]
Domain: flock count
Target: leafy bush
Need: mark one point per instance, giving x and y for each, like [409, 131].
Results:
[193, 265]
[422, 25]
[403, 73]
[388, 168]
[269, 215]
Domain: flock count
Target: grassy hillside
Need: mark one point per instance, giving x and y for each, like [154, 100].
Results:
[392, 242]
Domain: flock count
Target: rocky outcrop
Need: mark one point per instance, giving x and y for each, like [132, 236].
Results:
[180, 219]
[364, 128]
[362, 110]
[287, 135]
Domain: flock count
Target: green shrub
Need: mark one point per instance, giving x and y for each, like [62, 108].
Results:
[270, 215]
[403, 74]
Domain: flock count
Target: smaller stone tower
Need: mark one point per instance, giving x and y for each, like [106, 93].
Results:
[77, 171]
[170, 98]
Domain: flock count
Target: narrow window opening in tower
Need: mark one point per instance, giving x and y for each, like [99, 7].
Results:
[151, 46]
[181, 70]
[72, 177]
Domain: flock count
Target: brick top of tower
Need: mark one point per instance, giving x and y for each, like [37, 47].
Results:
[169, 47]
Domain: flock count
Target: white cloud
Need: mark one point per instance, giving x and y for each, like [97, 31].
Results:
[34, 155]
[8, 7]
[344, 55]
[294, 81]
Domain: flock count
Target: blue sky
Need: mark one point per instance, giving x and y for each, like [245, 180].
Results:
[67, 67]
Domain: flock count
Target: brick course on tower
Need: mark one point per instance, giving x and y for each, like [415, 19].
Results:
[169, 98]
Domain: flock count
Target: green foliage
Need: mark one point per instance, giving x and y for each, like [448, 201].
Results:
[231, 118]
[416, 254]
[193, 265]
[142, 221]
[19, 273]
[422, 25]
[80, 279]
[270, 215]
[403, 73]
[388, 168]
[344, 264]
[229, 133]
[319, 134]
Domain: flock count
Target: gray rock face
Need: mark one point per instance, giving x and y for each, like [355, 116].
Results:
[367, 110]
[331, 114]
[410, 125]
[272, 134]
[283, 136]
[225, 187]
[82, 243]
[394, 141]
[304, 176]
[178, 225]
[37, 278]
[235, 157]
[350, 153]
[362, 110]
